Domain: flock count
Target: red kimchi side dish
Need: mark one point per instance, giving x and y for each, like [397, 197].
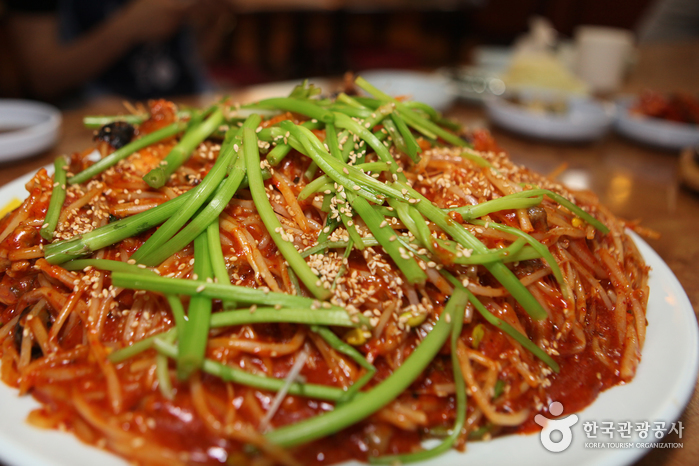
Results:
[679, 107]
[308, 280]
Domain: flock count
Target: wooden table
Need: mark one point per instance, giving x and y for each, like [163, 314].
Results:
[636, 182]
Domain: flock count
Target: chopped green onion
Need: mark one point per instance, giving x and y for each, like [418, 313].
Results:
[323, 181]
[313, 187]
[105, 264]
[231, 374]
[332, 142]
[157, 177]
[498, 389]
[412, 147]
[513, 332]
[323, 245]
[343, 121]
[58, 196]
[460, 234]
[474, 157]
[461, 299]
[341, 347]
[345, 262]
[328, 228]
[139, 347]
[330, 165]
[162, 370]
[203, 219]
[199, 195]
[469, 212]
[304, 107]
[82, 245]
[353, 112]
[218, 263]
[177, 311]
[351, 101]
[427, 127]
[477, 335]
[350, 224]
[120, 154]
[387, 238]
[504, 326]
[96, 122]
[280, 151]
[194, 336]
[540, 248]
[336, 317]
[304, 90]
[366, 403]
[601, 227]
[269, 218]
[395, 136]
[277, 154]
[220, 291]
[335, 169]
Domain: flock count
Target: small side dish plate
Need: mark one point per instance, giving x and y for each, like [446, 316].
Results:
[654, 131]
[584, 119]
[26, 128]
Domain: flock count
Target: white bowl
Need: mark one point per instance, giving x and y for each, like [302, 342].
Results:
[585, 120]
[26, 128]
[654, 131]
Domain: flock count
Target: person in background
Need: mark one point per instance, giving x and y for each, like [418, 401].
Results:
[138, 49]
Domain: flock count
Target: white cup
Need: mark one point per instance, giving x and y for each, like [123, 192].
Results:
[602, 56]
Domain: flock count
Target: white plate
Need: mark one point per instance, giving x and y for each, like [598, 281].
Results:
[474, 84]
[663, 384]
[430, 88]
[586, 119]
[26, 128]
[654, 131]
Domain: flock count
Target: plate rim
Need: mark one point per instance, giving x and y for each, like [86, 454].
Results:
[653, 131]
[543, 126]
[32, 139]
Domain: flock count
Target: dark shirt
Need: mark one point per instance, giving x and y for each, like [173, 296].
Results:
[148, 70]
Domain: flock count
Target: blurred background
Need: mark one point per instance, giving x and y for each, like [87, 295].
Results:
[66, 51]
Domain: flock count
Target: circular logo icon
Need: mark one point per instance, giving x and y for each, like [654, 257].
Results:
[549, 426]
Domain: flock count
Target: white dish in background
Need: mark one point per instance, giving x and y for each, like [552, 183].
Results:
[474, 84]
[26, 128]
[654, 131]
[494, 58]
[585, 119]
[432, 89]
[659, 392]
